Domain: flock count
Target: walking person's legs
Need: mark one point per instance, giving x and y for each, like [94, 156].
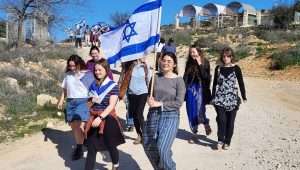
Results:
[150, 138]
[192, 109]
[91, 157]
[114, 155]
[77, 129]
[168, 127]
[129, 118]
[76, 42]
[133, 104]
[80, 42]
[206, 122]
[222, 124]
[230, 128]
[139, 113]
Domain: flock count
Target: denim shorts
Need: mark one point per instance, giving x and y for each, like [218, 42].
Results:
[77, 109]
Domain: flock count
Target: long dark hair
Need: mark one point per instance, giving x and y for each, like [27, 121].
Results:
[174, 58]
[127, 65]
[229, 51]
[191, 66]
[79, 63]
[94, 48]
[105, 65]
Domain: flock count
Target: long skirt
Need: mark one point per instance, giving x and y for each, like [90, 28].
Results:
[195, 106]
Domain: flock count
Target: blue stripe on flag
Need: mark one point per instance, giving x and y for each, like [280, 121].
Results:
[148, 6]
[133, 49]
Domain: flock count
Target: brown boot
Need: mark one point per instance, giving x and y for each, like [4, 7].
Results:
[207, 130]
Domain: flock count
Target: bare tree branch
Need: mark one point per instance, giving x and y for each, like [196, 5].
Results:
[43, 10]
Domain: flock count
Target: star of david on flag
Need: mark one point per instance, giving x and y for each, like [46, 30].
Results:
[135, 38]
[129, 31]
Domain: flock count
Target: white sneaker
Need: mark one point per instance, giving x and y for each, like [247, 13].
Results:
[225, 147]
[220, 145]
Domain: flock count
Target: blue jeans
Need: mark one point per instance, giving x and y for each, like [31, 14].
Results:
[129, 118]
[159, 134]
[77, 109]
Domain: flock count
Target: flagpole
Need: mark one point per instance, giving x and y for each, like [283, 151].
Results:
[155, 54]
[154, 72]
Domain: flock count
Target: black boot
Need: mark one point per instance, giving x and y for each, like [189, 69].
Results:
[77, 153]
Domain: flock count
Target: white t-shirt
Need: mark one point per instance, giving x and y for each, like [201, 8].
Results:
[75, 88]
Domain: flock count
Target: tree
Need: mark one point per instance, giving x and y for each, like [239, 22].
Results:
[20, 10]
[119, 18]
[297, 6]
[2, 29]
[283, 15]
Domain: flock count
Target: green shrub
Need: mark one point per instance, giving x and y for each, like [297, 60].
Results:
[183, 38]
[205, 42]
[59, 53]
[3, 46]
[180, 37]
[278, 36]
[259, 51]
[281, 60]
[242, 52]
[37, 54]
[20, 104]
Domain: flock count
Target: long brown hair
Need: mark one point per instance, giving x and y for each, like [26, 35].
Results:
[79, 63]
[191, 66]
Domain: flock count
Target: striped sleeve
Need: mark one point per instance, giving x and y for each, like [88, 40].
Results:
[114, 91]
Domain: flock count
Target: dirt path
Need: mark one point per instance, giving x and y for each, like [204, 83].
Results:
[267, 136]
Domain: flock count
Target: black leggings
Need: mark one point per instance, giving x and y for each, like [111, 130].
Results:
[92, 152]
[225, 121]
[136, 110]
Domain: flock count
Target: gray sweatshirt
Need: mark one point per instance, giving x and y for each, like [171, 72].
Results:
[169, 91]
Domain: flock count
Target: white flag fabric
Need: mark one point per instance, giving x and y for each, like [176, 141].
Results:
[135, 38]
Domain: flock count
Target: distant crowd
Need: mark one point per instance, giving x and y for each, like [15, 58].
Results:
[84, 35]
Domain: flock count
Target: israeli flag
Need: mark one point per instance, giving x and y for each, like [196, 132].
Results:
[135, 38]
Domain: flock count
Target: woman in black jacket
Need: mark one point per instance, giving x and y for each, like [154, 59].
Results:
[197, 79]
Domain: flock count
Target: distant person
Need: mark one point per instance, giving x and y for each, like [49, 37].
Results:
[96, 56]
[98, 34]
[225, 96]
[197, 80]
[87, 33]
[170, 47]
[78, 38]
[94, 35]
[103, 130]
[162, 121]
[76, 93]
[71, 35]
[159, 48]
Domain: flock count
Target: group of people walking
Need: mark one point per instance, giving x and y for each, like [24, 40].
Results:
[92, 97]
[88, 35]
